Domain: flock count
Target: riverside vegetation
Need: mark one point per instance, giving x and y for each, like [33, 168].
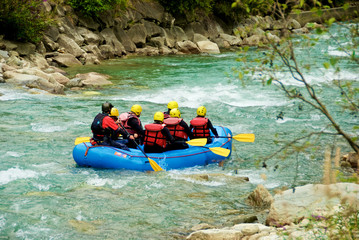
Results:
[342, 223]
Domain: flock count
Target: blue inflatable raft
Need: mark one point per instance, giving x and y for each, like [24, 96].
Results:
[86, 155]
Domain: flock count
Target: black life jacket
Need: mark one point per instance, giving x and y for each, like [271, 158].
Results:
[200, 127]
[96, 127]
[154, 136]
[176, 130]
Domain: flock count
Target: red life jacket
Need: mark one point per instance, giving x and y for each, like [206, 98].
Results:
[124, 117]
[176, 130]
[154, 136]
[200, 127]
[166, 115]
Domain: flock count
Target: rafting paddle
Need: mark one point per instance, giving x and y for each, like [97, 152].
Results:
[82, 140]
[153, 163]
[200, 142]
[243, 137]
[220, 151]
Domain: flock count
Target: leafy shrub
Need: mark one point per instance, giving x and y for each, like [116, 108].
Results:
[93, 8]
[23, 20]
[183, 6]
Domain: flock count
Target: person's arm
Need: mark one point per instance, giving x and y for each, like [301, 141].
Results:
[210, 126]
[133, 123]
[166, 132]
[186, 128]
[108, 122]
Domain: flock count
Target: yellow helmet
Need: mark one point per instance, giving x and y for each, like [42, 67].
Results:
[172, 105]
[175, 113]
[159, 116]
[114, 112]
[136, 109]
[201, 111]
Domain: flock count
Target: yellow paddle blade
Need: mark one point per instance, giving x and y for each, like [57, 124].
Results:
[197, 142]
[154, 165]
[244, 137]
[82, 139]
[220, 151]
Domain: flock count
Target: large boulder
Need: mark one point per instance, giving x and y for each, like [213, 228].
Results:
[89, 36]
[260, 197]
[110, 39]
[137, 33]
[124, 38]
[311, 200]
[94, 79]
[66, 60]
[149, 9]
[69, 45]
[187, 47]
[208, 47]
[43, 82]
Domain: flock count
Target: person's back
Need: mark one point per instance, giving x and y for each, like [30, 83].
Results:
[157, 135]
[133, 125]
[201, 126]
[178, 129]
[105, 130]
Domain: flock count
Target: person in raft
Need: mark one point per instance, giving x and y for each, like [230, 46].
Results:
[201, 126]
[132, 123]
[157, 136]
[105, 130]
[171, 105]
[179, 130]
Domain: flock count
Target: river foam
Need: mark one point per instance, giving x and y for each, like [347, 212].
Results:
[16, 173]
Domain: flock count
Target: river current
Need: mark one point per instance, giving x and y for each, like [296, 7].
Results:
[44, 195]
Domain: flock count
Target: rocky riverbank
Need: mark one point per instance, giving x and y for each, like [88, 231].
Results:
[145, 28]
[306, 212]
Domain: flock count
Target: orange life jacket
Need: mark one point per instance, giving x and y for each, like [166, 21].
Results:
[200, 127]
[154, 136]
[176, 130]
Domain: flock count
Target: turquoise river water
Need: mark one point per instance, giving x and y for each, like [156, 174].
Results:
[44, 195]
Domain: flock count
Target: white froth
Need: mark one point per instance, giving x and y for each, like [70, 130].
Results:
[45, 127]
[2, 222]
[13, 174]
[100, 182]
[14, 154]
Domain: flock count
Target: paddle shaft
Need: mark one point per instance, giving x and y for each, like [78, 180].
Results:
[134, 140]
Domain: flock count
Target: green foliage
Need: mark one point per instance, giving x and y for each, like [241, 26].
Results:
[229, 9]
[183, 6]
[23, 20]
[93, 8]
[253, 7]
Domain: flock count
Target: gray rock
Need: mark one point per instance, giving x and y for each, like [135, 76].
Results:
[49, 44]
[157, 42]
[123, 37]
[179, 34]
[70, 45]
[208, 47]
[137, 33]
[66, 60]
[94, 79]
[152, 29]
[149, 9]
[75, 82]
[199, 37]
[88, 22]
[53, 33]
[25, 49]
[70, 30]
[4, 54]
[111, 40]
[187, 47]
[89, 36]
